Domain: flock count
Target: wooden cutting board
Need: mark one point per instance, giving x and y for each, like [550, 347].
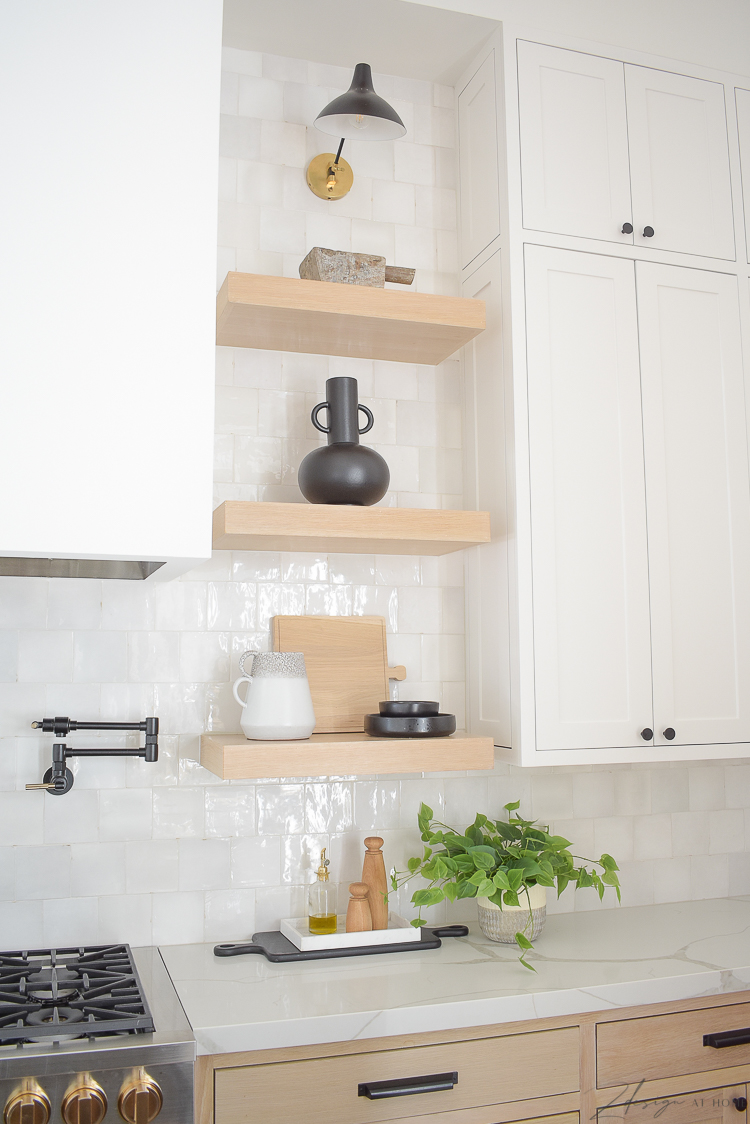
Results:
[347, 666]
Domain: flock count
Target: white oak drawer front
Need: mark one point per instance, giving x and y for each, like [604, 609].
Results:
[359, 1088]
[670, 1045]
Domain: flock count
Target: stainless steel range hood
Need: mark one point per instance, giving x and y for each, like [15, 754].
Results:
[121, 569]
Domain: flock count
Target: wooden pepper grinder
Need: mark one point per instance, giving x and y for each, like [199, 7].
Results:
[373, 875]
[358, 919]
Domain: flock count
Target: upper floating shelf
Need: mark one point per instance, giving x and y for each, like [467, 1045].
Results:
[247, 525]
[327, 318]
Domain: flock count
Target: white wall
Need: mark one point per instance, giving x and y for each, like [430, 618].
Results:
[713, 33]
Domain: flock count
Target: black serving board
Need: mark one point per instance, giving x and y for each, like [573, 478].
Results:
[276, 948]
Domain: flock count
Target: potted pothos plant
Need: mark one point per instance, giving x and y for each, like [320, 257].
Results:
[507, 866]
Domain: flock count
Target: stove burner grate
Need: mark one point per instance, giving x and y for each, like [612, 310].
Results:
[44, 991]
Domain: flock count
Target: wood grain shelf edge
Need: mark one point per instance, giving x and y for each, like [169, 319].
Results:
[257, 525]
[290, 314]
[233, 757]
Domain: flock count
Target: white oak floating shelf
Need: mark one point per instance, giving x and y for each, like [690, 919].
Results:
[232, 757]
[328, 318]
[251, 525]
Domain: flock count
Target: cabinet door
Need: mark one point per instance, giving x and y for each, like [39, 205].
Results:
[742, 98]
[574, 143]
[488, 634]
[698, 501]
[679, 163]
[479, 176]
[590, 572]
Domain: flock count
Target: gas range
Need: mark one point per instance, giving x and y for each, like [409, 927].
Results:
[84, 1030]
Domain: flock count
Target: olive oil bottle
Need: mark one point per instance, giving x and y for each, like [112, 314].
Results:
[322, 901]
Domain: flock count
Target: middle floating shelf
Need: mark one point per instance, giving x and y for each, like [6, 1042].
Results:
[252, 525]
[328, 318]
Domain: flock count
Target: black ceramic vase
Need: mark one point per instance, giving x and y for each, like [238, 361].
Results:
[343, 471]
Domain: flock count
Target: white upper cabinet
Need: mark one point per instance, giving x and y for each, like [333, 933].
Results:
[592, 645]
[698, 500]
[742, 98]
[679, 163]
[479, 173]
[574, 143]
[596, 132]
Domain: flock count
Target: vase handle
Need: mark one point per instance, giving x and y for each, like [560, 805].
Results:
[314, 416]
[370, 419]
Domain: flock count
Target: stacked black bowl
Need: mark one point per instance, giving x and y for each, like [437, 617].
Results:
[410, 718]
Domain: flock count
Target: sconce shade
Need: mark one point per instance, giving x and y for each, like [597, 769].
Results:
[360, 112]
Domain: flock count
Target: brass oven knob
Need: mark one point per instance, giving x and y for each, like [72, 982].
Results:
[28, 1105]
[140, 1099]
[84, 1103]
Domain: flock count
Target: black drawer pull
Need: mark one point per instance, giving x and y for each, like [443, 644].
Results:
[740, 1103]
[728, 1038]
[406, 1086]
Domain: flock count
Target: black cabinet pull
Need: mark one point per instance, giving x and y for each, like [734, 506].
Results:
[669, 734]
[406, 1086]
[648, 232]
[740, 1103]
[724, 1038]
[627, 228]
[647, 733]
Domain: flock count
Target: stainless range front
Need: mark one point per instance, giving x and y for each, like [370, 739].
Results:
[93, 1032]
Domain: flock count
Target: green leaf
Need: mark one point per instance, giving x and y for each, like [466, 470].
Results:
[608, 863]
[467, 889]
[497, 898]
[413, 865]
[510, 897]
[523, 942]
[512, 807]
[500, 878]
[425, 812]
[418, 922]
[485, 888]
[515, 877]
[450, 890]
[526, 964]
[428, 897]
[484, 858]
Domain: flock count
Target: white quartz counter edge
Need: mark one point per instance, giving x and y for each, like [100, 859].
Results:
[464, 1013]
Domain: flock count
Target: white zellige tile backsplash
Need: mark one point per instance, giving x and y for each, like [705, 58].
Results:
[167, 852]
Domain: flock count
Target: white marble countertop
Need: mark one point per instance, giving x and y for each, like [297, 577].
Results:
[588, 961]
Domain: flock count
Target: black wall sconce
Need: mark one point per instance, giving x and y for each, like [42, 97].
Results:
[360, 112]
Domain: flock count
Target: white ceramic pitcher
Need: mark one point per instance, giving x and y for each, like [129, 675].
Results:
[277, 704]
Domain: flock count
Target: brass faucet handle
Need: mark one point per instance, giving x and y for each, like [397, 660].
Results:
[30, 787]
[140, 1100]
[30, 1105]
[85, 1103]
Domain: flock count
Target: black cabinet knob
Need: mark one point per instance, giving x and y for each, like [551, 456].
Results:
[627, 228]
[647, 734]
[669, 733]
[740, 1103]
[648, 232]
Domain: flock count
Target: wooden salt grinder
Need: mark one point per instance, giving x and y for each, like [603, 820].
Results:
[373, 875]
[358, 919]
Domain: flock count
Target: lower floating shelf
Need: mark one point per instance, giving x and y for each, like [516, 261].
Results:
[233, 757]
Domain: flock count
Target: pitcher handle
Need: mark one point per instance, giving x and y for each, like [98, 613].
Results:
[250, 652]
[235, 688]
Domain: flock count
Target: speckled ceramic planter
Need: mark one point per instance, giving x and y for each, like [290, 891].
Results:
[501, 925]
